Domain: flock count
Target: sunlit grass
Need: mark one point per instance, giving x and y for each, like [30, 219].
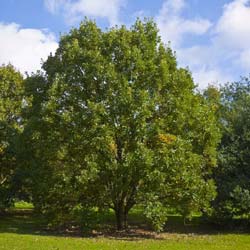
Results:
[23, 205]
[172, 242]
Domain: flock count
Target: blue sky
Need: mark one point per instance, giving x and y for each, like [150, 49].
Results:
[212, 37]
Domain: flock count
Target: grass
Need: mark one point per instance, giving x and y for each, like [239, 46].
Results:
[30, 242]
[22, 205]
[24, 231]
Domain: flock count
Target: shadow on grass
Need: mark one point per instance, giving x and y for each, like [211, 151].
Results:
[22, 222]
[25, 222]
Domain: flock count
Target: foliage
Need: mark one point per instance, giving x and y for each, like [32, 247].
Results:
[157, 215]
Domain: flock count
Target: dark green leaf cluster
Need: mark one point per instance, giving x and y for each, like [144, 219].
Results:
[233, 175]
[11, 97]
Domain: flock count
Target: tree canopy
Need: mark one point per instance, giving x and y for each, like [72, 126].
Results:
[232, 175]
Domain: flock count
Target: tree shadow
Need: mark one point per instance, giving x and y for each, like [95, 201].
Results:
[26, 222]
[199, 226]
[22, 222]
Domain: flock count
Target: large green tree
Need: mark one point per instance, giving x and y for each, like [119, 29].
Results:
[122, 125]
[11, 98]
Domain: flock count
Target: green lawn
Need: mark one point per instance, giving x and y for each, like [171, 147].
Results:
[23, 231]
[11, 241]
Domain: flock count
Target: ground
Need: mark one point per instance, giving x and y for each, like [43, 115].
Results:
[22, 230]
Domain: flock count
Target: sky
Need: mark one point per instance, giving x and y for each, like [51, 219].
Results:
[211, 38]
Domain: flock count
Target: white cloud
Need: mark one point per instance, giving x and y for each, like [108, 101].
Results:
[205, 76]
[233, 27]
[244, 60]
[204, 62]
[173, 26]
[174, 6]
[24, 48]
[227, 47]
[232, 32]
[54, 5]
[75, 10]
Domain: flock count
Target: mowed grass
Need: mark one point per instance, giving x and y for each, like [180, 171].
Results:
[24, 231]
[12, 241]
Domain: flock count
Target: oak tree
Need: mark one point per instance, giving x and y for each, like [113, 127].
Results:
[123, 125]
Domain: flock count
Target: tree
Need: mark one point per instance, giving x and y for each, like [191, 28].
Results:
[232, 176]
[11, 90]
[26, 178]
[122, 125]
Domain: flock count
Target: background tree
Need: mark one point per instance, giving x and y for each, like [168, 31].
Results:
[232, 176]
[11, 97]
[26, 177]
[122, 125]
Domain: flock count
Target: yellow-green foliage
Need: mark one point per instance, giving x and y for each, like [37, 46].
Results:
[166, 138]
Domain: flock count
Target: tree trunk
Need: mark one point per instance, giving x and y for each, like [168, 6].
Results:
[125, 218]
[119, 218]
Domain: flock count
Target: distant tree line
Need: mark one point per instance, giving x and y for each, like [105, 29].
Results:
[112, 122]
